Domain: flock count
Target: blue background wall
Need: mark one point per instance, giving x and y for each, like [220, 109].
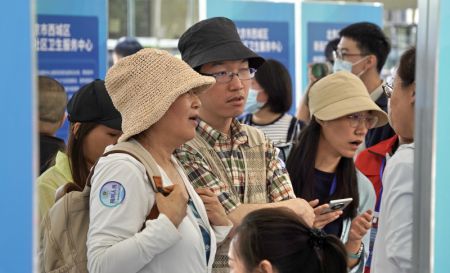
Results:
[89, 20]
[17, 168]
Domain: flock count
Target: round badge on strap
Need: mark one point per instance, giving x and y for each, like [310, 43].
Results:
[112, 194]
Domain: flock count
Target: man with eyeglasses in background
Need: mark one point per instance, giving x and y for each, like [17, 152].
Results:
[363, 49]
[232, 160]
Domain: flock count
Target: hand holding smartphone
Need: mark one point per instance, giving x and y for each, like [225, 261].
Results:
[337, 204]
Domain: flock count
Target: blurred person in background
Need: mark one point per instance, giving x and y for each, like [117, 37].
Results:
[317, 71]
[52, 105]
[271, 91]
[125, 47]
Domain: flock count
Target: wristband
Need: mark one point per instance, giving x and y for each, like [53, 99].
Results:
[356, 255]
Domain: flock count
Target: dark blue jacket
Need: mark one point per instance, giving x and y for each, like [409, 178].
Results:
[376, 135]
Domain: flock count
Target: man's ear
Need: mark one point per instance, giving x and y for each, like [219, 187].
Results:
[371, 61]
[265, 267]
[413, 93]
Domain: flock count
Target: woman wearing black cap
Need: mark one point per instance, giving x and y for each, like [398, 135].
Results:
[94, 124]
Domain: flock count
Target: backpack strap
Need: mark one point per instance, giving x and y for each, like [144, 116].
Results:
[292, 130]
[142, 156]
[247, 119]
[151, 170]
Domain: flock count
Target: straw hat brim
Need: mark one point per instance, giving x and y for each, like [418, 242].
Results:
[349, 106]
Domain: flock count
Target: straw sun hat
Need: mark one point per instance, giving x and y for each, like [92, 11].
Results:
[142, 87]
[340, 94]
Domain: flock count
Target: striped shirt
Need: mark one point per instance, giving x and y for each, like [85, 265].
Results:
[276, 131]
[228, 149]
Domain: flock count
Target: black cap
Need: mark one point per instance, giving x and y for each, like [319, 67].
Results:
[93, 104]
[212, 40]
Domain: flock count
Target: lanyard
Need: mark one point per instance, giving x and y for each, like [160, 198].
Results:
[333, 186]
[383, 164]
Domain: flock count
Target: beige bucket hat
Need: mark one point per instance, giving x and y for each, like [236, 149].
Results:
[142, 87]
[340, 94]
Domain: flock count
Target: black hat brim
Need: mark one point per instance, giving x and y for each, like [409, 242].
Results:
[226, 52]
[115, 123]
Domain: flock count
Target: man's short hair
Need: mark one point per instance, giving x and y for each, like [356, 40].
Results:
[127, 46]
[52, 100]
[370, 39]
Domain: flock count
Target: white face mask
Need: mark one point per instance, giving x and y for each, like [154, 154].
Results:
[341, 65]
[252, 105]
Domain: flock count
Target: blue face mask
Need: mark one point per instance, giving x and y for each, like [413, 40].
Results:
[341, 65]
[252, 105]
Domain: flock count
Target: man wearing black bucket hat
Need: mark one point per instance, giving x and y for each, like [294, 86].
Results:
[233, 160]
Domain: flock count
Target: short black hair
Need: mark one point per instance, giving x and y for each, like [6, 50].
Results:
[274, 78]
[407, 67]
[127, 46]
[370, 40]
[329, 48]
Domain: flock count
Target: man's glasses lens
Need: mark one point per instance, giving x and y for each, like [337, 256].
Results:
[226, 77]
[387, 88]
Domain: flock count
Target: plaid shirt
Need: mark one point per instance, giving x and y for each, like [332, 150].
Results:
[227, 148]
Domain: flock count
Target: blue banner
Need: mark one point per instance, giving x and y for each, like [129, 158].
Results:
[68, 51]
[269, 39]
[319, 34]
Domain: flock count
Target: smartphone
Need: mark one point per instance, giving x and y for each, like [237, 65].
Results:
[320, 70]
[338, 204]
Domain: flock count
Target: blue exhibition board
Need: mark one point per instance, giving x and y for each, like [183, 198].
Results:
[71, 43]
[442, 190]
[268, 28]
[322, 21]
[17, 168]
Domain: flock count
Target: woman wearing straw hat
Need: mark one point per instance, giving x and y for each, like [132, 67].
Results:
[156, 94]
[321, 164]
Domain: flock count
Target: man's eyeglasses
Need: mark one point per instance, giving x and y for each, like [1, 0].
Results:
[387, 89]
[338, 54]
[226, 76]
[356, 119]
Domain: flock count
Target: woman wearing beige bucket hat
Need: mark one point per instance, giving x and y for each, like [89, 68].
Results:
[321, 163]
[157, 95]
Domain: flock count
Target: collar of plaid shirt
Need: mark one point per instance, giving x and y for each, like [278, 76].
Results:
[214, 137]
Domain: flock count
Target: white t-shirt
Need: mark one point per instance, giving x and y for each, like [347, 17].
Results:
[121, 198]
[393, 245]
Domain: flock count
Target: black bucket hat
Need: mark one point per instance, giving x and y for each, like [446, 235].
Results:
[91, 103]
[212, 40]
